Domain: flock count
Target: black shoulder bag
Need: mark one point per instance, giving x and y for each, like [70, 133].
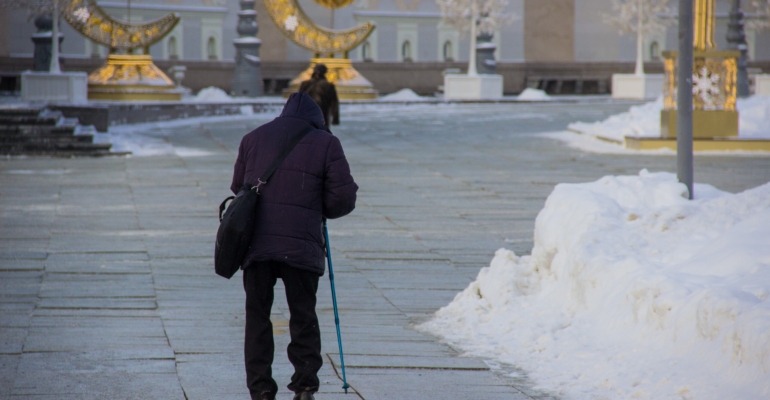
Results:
[236, 225]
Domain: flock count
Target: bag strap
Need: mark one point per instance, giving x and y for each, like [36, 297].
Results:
[289, 147]
[223, 206]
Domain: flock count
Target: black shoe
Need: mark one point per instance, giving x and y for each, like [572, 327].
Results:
[304, 396]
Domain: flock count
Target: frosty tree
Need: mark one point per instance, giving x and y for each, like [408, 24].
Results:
[640, 17]
[760, 10]
[44, 7]
[474, 16]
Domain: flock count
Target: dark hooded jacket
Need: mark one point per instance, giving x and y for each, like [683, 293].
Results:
[312, 183]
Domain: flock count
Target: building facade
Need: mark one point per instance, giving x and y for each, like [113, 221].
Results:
[407, 31]
[547, 41]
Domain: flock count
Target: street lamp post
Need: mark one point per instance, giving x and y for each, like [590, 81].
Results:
[736, 39]
[684, 159]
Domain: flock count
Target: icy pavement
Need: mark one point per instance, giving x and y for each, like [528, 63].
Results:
[107, 288]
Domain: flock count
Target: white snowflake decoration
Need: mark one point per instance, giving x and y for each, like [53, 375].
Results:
[82, 14]
[706, 86]
[291, 23]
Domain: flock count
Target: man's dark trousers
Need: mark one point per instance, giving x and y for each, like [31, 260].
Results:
[305, 348]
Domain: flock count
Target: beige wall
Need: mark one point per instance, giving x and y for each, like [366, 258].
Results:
[549, 30]
[274, 43]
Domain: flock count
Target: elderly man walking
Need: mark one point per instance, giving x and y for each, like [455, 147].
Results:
[311, 184]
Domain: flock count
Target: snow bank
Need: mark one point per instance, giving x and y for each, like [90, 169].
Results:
[402, 95]
[644, 120]
[631, 291]
[754, 117]
[212, 94]
[533, 95]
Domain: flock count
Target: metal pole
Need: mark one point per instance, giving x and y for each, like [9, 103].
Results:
[736, 39]
[684, 162]
[54, 67]
[334, 302]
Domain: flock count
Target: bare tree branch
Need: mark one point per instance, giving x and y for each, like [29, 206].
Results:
[492, 14]
[759, 15]
[627, 14]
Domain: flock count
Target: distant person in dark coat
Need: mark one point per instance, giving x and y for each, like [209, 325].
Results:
[324, 93]
[311, 184]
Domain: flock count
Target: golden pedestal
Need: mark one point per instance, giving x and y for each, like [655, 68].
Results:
[351, 85]
[127, 77]
[699, 144]
[705, 123]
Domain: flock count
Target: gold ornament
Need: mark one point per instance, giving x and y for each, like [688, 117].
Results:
[334, 3]
[295, 24]
[92, 22]
[125, 77]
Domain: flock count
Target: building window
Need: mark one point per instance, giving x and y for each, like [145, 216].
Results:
[211, 48]
[366, 52]
[448, 56]
[654, 51]
[406, 51]
[173, 54]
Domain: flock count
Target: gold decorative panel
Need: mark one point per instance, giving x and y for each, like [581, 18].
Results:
[714, 80]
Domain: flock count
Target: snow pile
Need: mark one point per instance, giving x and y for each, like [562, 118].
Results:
[402, 95]
[212, 94]
[533, 95]
[631, 291]
[754, 117]
[644, 120]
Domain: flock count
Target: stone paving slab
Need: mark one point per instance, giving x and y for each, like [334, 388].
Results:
[106, 281]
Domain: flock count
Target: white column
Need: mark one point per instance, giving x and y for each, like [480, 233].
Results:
[472, 58]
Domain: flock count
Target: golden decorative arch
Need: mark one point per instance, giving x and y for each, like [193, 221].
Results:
[295, 24]
[91, 21]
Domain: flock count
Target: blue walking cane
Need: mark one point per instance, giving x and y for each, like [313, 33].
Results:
[334, 301]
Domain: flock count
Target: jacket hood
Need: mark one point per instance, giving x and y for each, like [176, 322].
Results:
[301, 105]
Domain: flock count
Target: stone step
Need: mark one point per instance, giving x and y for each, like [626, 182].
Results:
[56, 149]
[43, 139]
[28, 130]
[20, 110]
[28, 120]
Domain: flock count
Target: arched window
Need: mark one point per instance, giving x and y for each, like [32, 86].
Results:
[448, 56]
[366, 51]
[172, 50]
[654, 51]
[406, 51]
[211, 48]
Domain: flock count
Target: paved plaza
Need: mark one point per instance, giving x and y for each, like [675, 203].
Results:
[107, 288]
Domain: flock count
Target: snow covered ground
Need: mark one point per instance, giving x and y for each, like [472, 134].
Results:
[631, 291]
[644, 120]
[403, 95]
[151, 138]
[529, 94]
